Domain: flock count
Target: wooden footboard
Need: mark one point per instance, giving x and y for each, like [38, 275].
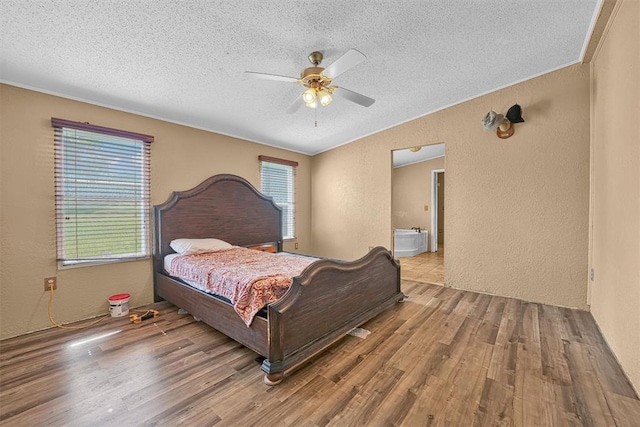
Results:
[324, 303]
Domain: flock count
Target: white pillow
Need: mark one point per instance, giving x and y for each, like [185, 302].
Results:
[198, 246]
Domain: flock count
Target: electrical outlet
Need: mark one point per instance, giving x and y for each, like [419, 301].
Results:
[48, 281]
[296, 245]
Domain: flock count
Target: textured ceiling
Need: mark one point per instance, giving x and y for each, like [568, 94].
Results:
[184, 61]
[407, 156]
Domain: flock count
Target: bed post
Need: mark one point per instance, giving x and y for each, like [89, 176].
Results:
[157, 250]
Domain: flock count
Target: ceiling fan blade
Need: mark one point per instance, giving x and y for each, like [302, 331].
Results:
[352, 96]
[347, 61]
[295, 106]
[271, 77]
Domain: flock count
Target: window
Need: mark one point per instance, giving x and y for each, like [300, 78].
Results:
[277, 177]
[102, 193]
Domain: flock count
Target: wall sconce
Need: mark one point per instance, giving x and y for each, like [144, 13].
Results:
[503, 125]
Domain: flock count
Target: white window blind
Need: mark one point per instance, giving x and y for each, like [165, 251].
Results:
[102, 193]
[277, 177]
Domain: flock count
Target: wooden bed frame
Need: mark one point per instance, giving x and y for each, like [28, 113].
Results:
[322, 305]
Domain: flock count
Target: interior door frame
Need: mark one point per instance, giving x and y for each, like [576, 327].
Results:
[434, 209]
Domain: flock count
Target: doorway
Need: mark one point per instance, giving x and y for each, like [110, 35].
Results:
[437, 213]
[416, 196]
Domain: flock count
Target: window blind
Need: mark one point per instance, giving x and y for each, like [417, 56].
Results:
[102, 193]
[277, 177]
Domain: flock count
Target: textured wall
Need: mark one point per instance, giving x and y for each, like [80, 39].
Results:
[181, 157]
[411, 191]
[351, 187]
[615, 208]
[517, 209]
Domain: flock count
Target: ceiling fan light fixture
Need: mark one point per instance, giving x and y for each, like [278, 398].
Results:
[317, 81]
[309, 97]
[324, 97]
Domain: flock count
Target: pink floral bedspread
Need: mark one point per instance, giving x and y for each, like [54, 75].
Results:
[250, 279]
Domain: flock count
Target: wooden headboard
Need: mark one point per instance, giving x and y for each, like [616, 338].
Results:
[225, 207]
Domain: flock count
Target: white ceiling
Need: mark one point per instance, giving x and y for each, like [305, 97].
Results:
[407, 156]
[184, 61]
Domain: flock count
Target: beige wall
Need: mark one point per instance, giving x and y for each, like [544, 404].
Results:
[351, 199]
[517, 209]
[411, 191]
[181, 157]
[615, 204]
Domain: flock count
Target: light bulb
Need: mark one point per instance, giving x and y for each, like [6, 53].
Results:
[325, 97]
[309, 96]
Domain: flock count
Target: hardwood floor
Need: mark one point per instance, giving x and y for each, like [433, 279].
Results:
[427, 267]
[443, 357]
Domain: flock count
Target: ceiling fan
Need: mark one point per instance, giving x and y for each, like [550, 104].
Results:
[318, 80]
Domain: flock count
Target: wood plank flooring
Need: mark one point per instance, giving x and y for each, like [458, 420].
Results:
[442, 358]
[426, 267]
